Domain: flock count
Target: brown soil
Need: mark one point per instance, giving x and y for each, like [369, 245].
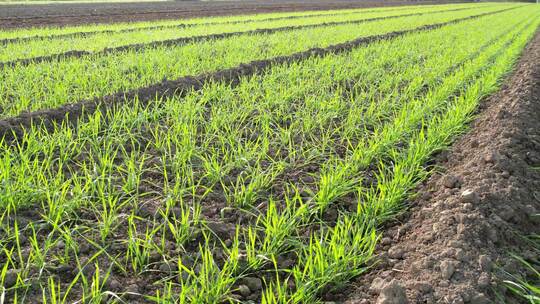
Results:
[453, 244]
[12, 128]
[16, 16]
[193, 39]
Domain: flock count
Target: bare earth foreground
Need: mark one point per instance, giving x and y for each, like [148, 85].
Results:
[30, 15]
[453, 245]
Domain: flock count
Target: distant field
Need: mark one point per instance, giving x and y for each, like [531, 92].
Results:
[32, 14]
[251, 159]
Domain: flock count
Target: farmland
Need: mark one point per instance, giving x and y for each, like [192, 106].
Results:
[242, 159]
[53, 13]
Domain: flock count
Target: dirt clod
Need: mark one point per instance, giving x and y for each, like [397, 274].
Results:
[396, 252]
[10, 278]
[491, 158]
[84, 248]
[132, 292]
[89, 270]
[485, 262]
[165, 267]
[450, 181]
[469, 196]
[386, 241]
[447, 269]
[219, 229]
[254, 284]
[423, 287]
[392, 293]
[377, 285]
[484, 280]
[244, 290]
[479, 298]
[114, 285]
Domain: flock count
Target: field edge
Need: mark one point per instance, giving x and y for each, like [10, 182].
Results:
[454, 242]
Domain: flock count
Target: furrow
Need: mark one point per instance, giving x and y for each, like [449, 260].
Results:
[13, 128]
[194, 39]
[181, 25]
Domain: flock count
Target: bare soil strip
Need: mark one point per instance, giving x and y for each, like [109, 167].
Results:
[181, 25]
[453, 245]
[13, 128]
[17, 16]
[194, 39]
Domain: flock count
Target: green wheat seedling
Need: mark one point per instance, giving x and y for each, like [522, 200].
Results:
[51, 32]
[139, 243]
[246, 191]
[39, 47]
[274, 232]
[451, 123]
[287, 146]
[53, 293]
[181, 226]
[529, 290]
[103, 76]
[210, 283]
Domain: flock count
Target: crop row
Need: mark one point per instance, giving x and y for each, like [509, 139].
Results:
[59, 32]
[13, 128]
[85, 31]
[270, 190]
[194, 39]
[48, 85]
[43, 47]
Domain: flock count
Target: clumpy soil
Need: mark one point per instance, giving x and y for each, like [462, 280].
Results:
[453, 244]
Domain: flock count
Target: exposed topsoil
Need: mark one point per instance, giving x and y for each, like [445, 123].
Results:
[31, 15]
[453, 244]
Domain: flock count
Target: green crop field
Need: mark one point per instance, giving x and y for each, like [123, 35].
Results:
[243, 159]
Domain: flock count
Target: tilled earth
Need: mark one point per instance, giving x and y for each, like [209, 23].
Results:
[454, 243]
[31, 15]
